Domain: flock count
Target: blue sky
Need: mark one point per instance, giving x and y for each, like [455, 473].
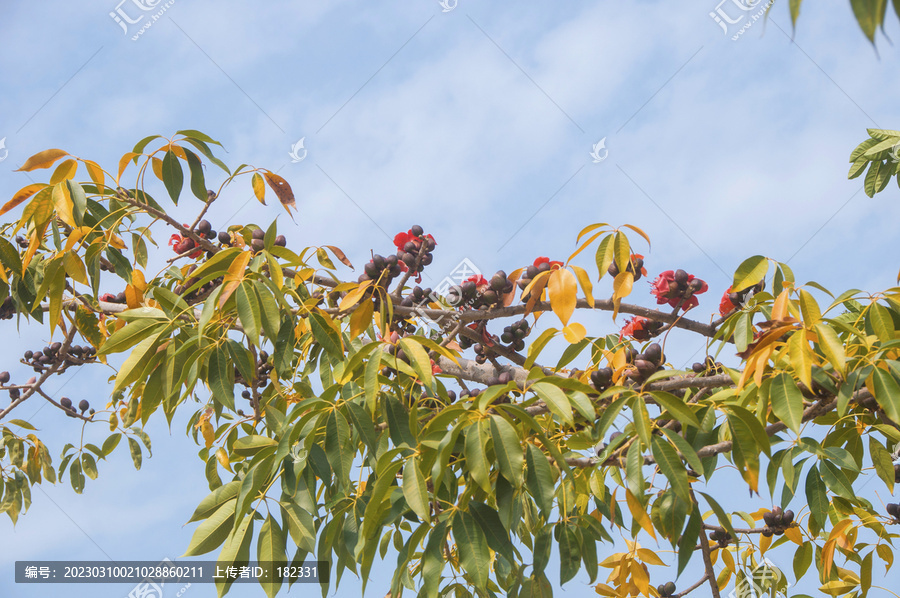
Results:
[476, 123]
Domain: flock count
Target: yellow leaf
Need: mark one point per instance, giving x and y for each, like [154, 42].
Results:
[37, 237]
[64, 171]
[640, 577]
[605, 590]
[801, 357]
[622, 285]
[20, 196]
[62, 201]
[74, 267]
[156, 165]
[563, 294]
[361, 318]
[234, 276]
[764, 543]
[222, 457]
[209, 434]
[639, 514]
[648, 556]
[354, 296]
[76, 235]
[828, 556]
[114, 240]
[574, 332]
[44, 159]
[780, 307]
[585, 281]
[123, 163]
[638, 231]
[95, 172]
[728, 560]
[793, 534]
[259, 188]
[178, 151]
[137, 279]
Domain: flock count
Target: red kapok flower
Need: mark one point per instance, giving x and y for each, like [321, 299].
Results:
[678, 290]
[435, 368]
[725, 305]
[401, 239]
[637, 328]
[553, 265]
[479, 280]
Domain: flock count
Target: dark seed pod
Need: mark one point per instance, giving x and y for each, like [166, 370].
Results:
[224, 238]
[66, 402]
[4, 377]
[681, 277]
[258, 244]
[258, 233]
[280, 241]
[83, 405]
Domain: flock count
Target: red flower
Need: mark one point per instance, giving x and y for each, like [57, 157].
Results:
[553, 265]
[667, 289]
[435, 368]
[637, 328]
[174, 239]
[479, 280]
[401, 239]
[725, 305]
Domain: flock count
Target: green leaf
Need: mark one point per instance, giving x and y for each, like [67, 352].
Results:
[398, 422]
[879, 317]
[128, 336]
[89, 465]
[569, 553]
[473, 549]
[508, 449]
[795, 12]
[221, 377]
[867, 15]
[338, 447]
[538, 345]
[477, 464]
[248, 311]
[299, 524]
[214, 500]
[836, 480]
[173, 177]
[723, 517]
[556, 400]
[247, 446]
[688, 539]
[816, 495]
[139, 147]
[539, 478]
[414, 489]
[751, 271]
[421, 363]
[686, 450]
[326, 336]
[787, 401]
[672, 467]
[887, 393]
[198, 181]
[135, 449]
[270, 548]
[235, 551]
[803, 559]
[489, 521]
[884, 466]
[676, 407]
[210, 534]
